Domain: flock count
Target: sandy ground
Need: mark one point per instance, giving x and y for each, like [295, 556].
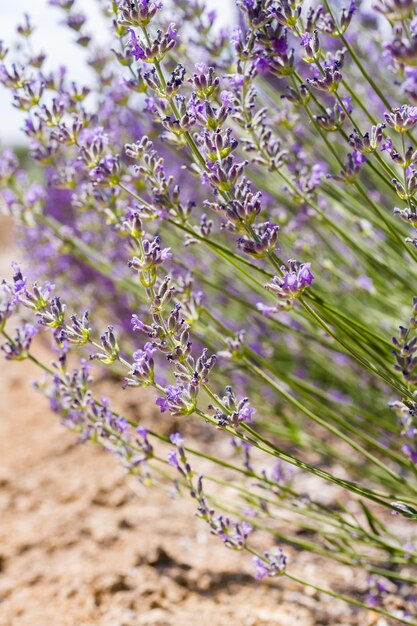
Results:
[82, 544]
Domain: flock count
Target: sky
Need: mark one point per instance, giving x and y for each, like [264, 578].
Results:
[57, 42]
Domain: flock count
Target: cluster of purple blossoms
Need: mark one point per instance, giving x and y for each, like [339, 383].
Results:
[377, 591]
[402, 119]
[272, 564]
[17, 349]
[293, 282]
[234, 535]
[70, 396]
[142, 372]
[231, 410]
[179, 399]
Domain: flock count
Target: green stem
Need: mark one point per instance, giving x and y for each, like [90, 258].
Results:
[348, 599]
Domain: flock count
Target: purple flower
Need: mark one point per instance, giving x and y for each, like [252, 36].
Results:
[173, 459]
[293, 283]
[265, 309]
[245, 412]
[358, 158]
[305, 40]
[377, 591]
[30, 330]
[138, 324]
[282, 472]
[18, 278]
[211, 15]
[388, 146]
[273, 564]
[18, 348]
[246, 528]
[122, 424]
[305, 277]
[139, 356]
[150, 105]
[318, 172]
[63, 4]
[173, 395]
[145, 355]
[195, 106]
[142, 431]
[76, 21]
[366, 283]
[162, 403]
[410, 452]
[233, 534]
[176, 439]
[227, 98]
[166, 254]
[402, 119]
[173, 392]
[262, 65]
[236, 35]
[347, 103]
[201, 68]
[179, 400]
[9, 198]
[280, 45]
[236, 80]
[147, 352]
[153, 256]
[172, 31]
[261, 569]
[353, 7]
[136, 50]
[34, 194]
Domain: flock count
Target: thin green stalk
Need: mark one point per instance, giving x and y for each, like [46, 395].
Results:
[333, 429]
[349, 600]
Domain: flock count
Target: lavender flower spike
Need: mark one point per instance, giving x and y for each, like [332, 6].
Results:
[272, 564]
[293, 282]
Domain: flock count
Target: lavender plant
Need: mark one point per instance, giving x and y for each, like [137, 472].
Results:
[227, 218]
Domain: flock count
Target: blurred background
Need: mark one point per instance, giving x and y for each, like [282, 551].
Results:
[57, 42]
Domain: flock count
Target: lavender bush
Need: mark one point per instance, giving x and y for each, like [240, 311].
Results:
[159, 219]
